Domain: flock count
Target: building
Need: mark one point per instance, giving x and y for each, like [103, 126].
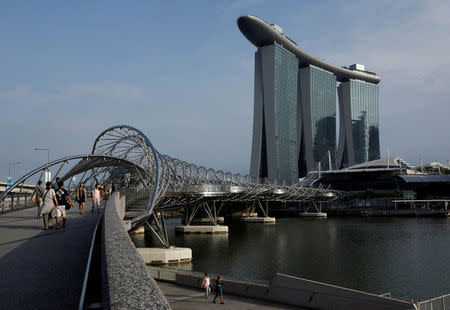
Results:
[316, 119]
[359, 140]
[386, 184]
[307, 108]
[274, 144]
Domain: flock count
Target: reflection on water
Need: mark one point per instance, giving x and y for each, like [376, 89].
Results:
[408, 257]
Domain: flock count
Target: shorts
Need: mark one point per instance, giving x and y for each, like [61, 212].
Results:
[61, 211]
[95, 202]
[39, 202]
[219, 292]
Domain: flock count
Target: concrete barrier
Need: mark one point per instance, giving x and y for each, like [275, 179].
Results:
[317, 295]
[194, 279]
[126, 281]
[288, 290]
[246, 289]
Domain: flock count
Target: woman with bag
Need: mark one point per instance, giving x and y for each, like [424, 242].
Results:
[49, 203]
[81, 197]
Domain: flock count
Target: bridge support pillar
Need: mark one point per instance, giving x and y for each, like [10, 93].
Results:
[204, 220]
[250, 216]
[202, 229]
[317, 208]
[213, 220]
[258, 219]
[171, 255]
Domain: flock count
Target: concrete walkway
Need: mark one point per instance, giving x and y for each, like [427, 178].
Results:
[43, 269]
[181, 297]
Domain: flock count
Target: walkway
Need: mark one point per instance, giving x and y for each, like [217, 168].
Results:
[181, 297]
[43, 269]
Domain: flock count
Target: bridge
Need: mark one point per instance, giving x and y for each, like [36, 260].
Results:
[115, 276]
[124, 155]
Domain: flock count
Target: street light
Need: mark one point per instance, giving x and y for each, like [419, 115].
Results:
[8, 181]
[48, 150]
[48, 176]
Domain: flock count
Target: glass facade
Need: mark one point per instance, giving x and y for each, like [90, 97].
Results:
[285, 111]
[323, 116]
[365, 123]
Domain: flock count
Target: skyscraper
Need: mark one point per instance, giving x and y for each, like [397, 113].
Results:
[316, 119]
[274, 144]
[359, 125]
[294, 125]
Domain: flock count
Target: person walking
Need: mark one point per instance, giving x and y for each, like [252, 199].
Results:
[206, 284]
[64, 204]
[219, 289]
[105, 192]
[55, 185]
[96, 198]
[38, 195]
[81, 197]
[49, 203]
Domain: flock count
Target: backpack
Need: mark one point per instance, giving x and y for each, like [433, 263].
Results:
[60, 193]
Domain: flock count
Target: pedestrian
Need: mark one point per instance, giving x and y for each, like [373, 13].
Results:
[38, 195]
[96, 198]
[64, 204]
[105, 192]
[219, 289]
[206, 284]
[81, 197]
[49, 203]
[55, 185]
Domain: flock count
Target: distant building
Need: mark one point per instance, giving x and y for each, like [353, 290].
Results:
[385, 178]
[294, 125]
[359, 140]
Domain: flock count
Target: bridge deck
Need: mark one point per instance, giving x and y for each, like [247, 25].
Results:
[43, 269]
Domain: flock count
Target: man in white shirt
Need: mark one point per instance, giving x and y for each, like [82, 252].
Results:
[96, 198]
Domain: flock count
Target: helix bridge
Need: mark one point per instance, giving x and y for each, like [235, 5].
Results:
[125, 156]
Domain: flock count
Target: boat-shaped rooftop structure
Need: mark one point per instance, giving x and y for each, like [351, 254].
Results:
[261, 33]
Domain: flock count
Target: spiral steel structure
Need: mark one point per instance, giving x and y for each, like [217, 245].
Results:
[169, 183]
[172, 183]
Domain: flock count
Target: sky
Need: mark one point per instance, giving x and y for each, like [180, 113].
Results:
[181, 72]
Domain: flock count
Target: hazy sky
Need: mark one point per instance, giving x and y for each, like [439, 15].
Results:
[181, 72]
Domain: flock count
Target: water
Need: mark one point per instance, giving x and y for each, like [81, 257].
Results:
[409, 257]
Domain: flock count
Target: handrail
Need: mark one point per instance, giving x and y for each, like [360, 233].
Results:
[88, 265]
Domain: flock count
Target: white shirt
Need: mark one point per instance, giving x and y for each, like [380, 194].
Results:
[48, 201]
[96, 194]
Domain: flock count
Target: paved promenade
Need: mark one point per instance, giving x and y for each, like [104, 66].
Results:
[181, 297]
[43, 269]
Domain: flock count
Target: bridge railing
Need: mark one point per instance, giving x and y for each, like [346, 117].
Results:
[123, 281]
[441, 302]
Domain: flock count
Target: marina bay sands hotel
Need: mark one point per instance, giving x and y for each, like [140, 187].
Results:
[294, 124]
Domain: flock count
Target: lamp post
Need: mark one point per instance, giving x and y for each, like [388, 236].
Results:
[8, 180]
[48, 150]
[48, 176]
